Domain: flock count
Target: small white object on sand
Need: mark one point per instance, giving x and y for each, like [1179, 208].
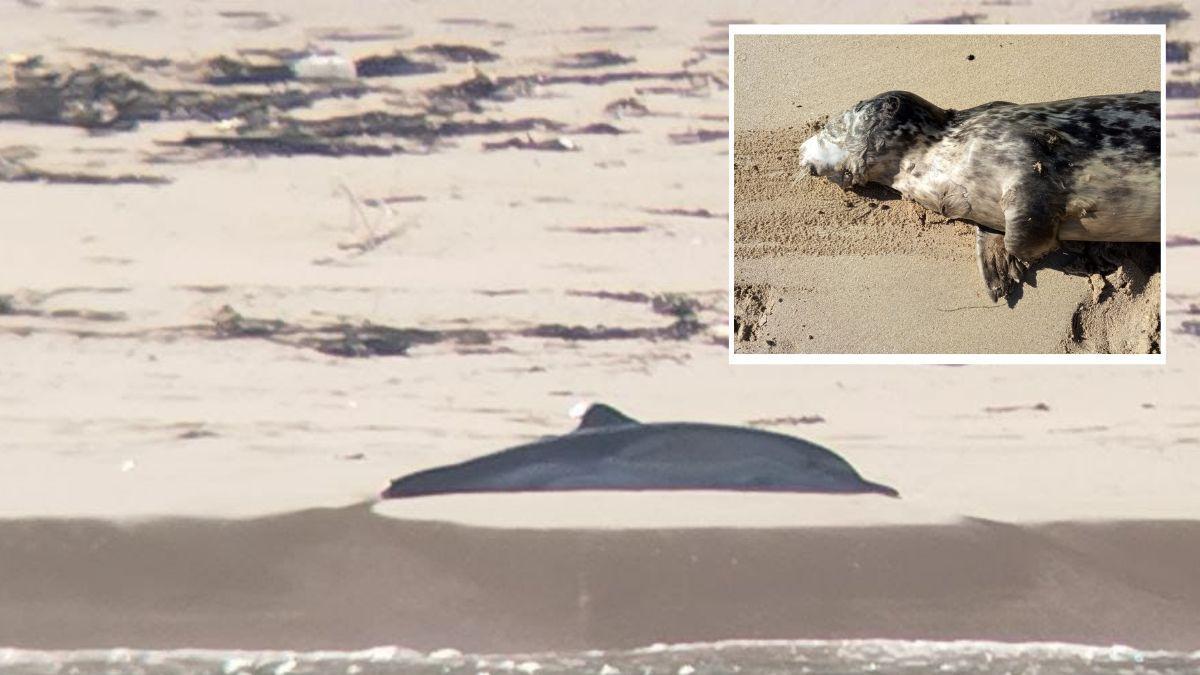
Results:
[324, 66]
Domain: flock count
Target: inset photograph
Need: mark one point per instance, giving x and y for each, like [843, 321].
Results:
[947, 195]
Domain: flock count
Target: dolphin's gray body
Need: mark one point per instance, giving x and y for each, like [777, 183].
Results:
[610, 451]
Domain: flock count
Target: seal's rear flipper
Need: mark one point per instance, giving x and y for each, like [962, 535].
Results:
[1002, 271]
[599, 415]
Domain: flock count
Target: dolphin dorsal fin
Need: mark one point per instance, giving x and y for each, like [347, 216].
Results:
[599, 416]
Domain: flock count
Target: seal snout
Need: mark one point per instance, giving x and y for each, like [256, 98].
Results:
[819, 156]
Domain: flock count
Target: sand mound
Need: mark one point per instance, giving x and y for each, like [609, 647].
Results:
[1121, 315]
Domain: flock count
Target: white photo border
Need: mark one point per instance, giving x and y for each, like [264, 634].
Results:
[955, 29]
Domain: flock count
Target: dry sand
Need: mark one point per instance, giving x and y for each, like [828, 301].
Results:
[159, 469]
[821, 270]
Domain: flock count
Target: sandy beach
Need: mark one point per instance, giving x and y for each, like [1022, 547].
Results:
[822, 270]
[232, 312]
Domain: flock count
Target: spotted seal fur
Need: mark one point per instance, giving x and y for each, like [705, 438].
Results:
[1027, 176]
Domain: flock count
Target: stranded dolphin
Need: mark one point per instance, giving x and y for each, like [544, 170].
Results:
[610, 451]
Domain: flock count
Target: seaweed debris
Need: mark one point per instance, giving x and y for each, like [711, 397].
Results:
[459, 53]
[603, 58]
[1163, 13]
[97, 98]
[390, 65]
[559, 144]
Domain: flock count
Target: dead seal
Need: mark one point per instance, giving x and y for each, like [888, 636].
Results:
[609, 451]
[1028, 176]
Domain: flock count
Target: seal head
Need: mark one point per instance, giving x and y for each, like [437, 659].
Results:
[866, 143]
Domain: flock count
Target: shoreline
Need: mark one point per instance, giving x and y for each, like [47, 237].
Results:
[348, 579]
[672, 657]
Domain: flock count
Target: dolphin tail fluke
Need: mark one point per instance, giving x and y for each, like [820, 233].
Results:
[881, 489]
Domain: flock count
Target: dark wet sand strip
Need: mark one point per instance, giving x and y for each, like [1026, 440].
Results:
[345, 578]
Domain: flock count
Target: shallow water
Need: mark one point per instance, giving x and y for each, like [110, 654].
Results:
[759, 657]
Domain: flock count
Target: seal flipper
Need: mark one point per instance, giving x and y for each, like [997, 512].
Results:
[599, 416]
[1002, 271]
[1030, 227]
[1034, 204]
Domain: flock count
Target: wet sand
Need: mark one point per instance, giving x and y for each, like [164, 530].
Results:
[344, 579]
[820, 270]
